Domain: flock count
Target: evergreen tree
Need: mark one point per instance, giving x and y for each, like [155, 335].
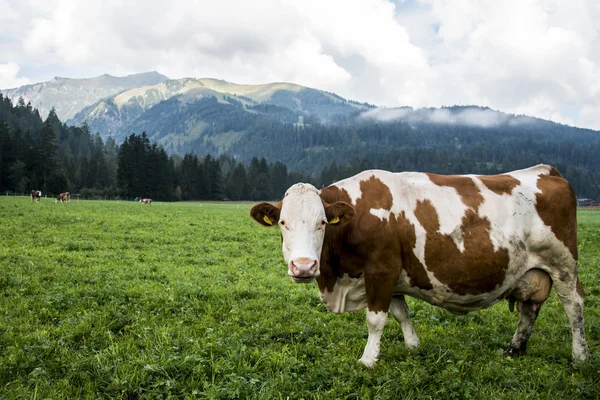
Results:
[189, 182]
[280, 180]
[213, 177]
[46, 153]
[236, 186]
[6, 155]
[260, 185]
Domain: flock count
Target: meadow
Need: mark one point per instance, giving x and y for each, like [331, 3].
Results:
[118, 300]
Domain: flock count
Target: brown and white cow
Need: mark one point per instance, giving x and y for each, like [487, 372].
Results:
[461, 242]
[146, 201]
[35, 195]
[63, 197]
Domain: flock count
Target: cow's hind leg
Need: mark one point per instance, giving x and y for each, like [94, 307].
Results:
[399, 310]
[528, 315]
[571, 295]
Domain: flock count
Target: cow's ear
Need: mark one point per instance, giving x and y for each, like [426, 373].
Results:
[265, 214]
[339, 213]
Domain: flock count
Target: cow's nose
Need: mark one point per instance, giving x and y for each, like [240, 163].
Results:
[304, 267]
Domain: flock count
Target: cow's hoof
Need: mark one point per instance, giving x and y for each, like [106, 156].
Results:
[514, 352]
[412, 344]
[368, 362]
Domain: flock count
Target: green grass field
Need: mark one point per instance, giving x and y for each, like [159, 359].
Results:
[119, 300]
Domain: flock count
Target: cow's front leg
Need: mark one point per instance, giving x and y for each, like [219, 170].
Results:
[399, 310]
[376, 322]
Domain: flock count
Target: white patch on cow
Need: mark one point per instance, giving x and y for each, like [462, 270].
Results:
[348, 295]
[381, 213]
[375, 322]
[458, 237]
[513, 217]
[352, 185]
[302, 214]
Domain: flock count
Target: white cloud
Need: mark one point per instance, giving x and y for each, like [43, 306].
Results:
[539, 57]
[519, 56]
[9, 76]
[483, 118]
[387, 114]
[7, 12]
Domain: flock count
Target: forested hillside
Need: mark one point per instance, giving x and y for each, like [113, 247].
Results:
[244, 151]
[468, 139]
[53, 157]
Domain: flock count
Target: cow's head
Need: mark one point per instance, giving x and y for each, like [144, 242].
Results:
[303, 217]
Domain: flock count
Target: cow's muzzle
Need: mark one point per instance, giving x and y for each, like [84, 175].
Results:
[304, 270]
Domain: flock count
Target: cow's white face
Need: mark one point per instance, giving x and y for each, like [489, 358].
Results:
[302, 222]
[302, 217]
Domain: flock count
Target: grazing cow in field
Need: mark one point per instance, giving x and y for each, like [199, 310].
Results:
[63, 197]
[146, 201]
[35, 195]
[461, 242]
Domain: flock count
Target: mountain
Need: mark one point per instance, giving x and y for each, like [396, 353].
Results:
[316, 132]
[69, 96]
[308, 129]
[134, 110]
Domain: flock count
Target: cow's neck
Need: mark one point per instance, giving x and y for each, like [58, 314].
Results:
[338, 257]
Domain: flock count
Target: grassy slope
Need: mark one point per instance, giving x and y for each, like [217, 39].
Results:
[120, 300]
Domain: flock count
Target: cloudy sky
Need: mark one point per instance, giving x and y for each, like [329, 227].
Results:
[539, 58]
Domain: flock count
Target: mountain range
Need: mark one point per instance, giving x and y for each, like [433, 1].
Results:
[68, 96]
[147, 108]
[309, 129]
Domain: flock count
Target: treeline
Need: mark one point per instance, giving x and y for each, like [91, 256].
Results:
[53, 157]
[416, 143]
[50, 156]
[145, 170]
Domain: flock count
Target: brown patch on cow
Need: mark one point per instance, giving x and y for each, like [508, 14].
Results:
[481, 268]
[377, 193]
[557, 207]
[370, 247]
[464, 185]
[334, 244]
[499, 184]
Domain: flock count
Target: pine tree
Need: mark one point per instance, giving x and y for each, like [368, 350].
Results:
[259, 180]
[236, 186]
[280, 180]
[46, 153]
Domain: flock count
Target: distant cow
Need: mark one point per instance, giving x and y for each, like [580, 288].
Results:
[35, 195]
[146, 201]
[63, 197]
[460, 242]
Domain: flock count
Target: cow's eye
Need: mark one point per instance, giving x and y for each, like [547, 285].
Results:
[282, 222]
[323, 223]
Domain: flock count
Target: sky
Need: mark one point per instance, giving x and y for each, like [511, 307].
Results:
[539, 58]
